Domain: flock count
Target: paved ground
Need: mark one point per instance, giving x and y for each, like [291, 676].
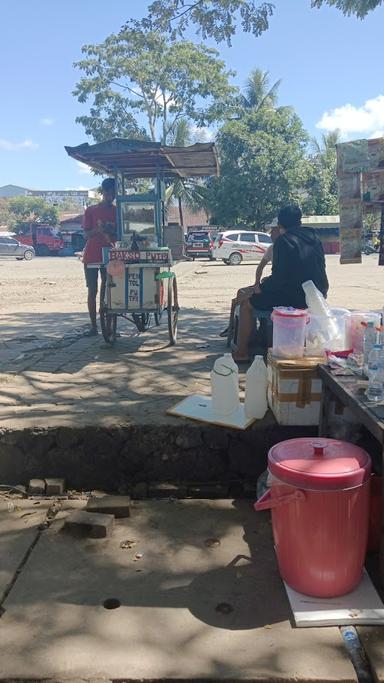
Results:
[189, 609]
[51, 375]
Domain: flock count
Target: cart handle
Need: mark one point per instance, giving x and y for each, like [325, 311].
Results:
[267, 503]
[165, 275]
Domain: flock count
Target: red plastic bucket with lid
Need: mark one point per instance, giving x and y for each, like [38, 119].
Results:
[320, 510]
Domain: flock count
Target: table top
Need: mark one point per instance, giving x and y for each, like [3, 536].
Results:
[350, 390]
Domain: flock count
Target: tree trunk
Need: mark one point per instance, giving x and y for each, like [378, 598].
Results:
[181, 217]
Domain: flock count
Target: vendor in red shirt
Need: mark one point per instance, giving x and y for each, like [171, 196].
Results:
[99, 225]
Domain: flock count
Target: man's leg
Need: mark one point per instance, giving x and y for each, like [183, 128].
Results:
[246, 324]
[91, 275]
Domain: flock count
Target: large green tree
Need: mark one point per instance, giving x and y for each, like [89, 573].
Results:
[139, 72]
[30, 209]
[220, 19]
[263, 166]
[322, 198]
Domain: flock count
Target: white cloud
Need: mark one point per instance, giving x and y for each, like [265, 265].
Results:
[17, 146]
[47, 121]
[83, 168]
[365, 121]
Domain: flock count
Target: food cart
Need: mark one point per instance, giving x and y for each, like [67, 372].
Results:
[140, 282]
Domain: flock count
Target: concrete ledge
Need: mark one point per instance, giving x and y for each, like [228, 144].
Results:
[118, 458]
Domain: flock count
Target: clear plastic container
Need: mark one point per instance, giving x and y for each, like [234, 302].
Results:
[288, 332]
[327, 333]
[355, 330]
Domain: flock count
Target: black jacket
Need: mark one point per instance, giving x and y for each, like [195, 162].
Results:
[298, 256]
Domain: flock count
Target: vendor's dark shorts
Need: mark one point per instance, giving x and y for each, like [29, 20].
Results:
[262, 302]
[92, 277]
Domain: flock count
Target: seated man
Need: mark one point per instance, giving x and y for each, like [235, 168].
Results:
[298, 256]
[246, 292]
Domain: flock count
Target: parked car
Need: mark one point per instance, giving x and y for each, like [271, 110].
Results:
[199, 243]
[235, 246]
[11, 248]
[46, 240]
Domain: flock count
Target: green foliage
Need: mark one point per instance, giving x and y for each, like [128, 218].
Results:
[186, 192]
[6, 218]
[360, 8]
[263, 167]
[30, 209]
[216, 19]
[322, 199]
[258, 93]
[145, 72]
[220, 19]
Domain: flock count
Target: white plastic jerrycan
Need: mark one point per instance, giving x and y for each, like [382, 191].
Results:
[225, 386]
[256, 382]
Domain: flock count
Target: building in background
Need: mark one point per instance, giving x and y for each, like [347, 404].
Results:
[327, 228]
[80, 198]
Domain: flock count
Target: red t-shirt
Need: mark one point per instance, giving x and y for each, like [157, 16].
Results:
[99, 217]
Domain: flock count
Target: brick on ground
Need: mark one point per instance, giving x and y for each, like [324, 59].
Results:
[36, 487]
[119, 506]
[93, 525]
[54, 487]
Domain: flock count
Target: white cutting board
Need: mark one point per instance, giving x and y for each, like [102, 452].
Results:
[361, 607]
[200, 408]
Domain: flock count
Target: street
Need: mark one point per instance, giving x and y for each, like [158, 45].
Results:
[56, 285]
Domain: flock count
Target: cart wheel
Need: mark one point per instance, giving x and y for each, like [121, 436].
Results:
[142, 321]
[108, 326]
[173, 310]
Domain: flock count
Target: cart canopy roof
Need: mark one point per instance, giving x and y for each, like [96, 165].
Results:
[141, 159]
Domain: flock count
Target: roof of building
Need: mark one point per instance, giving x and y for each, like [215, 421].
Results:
[142, 159]
[314, 220]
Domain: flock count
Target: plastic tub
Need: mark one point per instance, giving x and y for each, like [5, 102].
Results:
[319, 497]
[288, 332]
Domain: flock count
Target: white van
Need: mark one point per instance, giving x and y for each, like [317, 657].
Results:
[235, 246]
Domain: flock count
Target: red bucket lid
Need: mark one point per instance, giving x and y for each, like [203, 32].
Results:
[319, 464]
[288, 312]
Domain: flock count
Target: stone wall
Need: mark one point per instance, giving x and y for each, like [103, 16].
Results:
[118, 459]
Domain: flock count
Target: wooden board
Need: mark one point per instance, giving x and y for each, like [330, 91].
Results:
[361, 607]
[199, 408]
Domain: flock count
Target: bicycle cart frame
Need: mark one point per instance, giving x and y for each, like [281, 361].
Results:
[140, 282]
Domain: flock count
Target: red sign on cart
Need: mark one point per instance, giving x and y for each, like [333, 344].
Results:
[124, 255]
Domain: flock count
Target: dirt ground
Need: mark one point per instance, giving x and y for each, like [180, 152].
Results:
[46, 285]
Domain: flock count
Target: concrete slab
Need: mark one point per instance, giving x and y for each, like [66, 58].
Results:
[373, 642]
[200, 598]
[18, 531]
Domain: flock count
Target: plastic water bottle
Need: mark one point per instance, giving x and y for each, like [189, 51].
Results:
[370, 338]
[374, 369]
[225, 386]
[256, 382]
[375, 360]
[375, 384]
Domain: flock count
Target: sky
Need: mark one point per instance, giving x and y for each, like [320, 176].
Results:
[330, 66]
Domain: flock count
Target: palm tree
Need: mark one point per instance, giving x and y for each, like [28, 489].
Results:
[186, 192]
[327, 145]
[258, 93]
